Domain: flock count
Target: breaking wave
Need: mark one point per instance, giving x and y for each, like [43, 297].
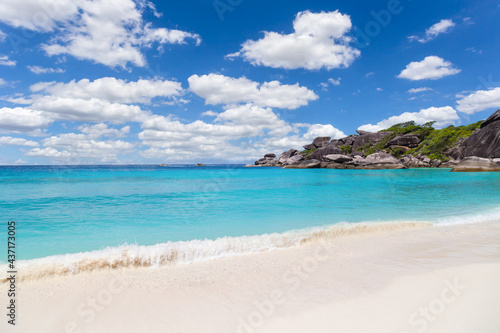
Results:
[184, 252]
[171, 253]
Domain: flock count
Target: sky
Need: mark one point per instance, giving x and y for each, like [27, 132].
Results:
[226, 81]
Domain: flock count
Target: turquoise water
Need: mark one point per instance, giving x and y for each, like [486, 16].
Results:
[62, 210]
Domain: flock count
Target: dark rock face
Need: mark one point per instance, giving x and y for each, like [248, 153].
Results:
[286, 155]
[360, 132]
[270, 155]
[347, 141]
[371, 138]
[474, 163]
[309, 146]
[409, 140]
[337, 158]
[379, 160]
[320, 152]
[493, 118]
[321, 141]
[310, 164]
[484, 142]
[294, 159]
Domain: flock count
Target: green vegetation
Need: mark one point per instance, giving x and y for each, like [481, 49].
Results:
[308, 152]
[434, 142]
[346, 149]
[438, 142]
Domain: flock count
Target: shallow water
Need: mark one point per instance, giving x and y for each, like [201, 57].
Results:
[69, 209]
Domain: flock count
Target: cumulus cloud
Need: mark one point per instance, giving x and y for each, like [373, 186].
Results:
[240, 133]
[98, 130]
[442, 27]
[78, 147]
[443, 116]
[5, 61]
[102, 100]
[419, 90]
[112, 33]
[8, 140]
[431, 68]
[21, 120]
[111, 89]
[479, 101]
[88, 110]
[43, 70]
[319, 41]
[220, 89]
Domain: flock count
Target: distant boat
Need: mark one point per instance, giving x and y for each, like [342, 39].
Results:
[200, 164]
[163, 165]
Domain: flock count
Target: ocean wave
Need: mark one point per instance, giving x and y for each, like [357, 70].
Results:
[185, 252]
[171, 253]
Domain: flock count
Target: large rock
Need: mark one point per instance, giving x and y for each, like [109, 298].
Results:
[409, 140]
[310, 164]
[286, 155]
[484, 142]
[347, 141]
[372, 138]
[338, 158]
[321, 152]
[474, 163]
[378, 160]
[360, 132]
[309, 146]
[270, 155]
[266, 161]
[295, 159]
[321, 141]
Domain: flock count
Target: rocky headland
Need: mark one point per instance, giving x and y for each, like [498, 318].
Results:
[474, 147]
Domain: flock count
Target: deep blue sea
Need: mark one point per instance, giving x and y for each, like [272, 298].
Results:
[70, 209]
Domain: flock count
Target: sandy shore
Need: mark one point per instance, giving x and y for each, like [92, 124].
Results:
[431, 279]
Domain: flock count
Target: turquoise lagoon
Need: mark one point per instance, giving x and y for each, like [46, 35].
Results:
[72, 209]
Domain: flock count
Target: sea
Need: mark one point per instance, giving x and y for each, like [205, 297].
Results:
[70, 219]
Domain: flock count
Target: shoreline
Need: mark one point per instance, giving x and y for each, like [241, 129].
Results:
[200, 250]
[346, 283]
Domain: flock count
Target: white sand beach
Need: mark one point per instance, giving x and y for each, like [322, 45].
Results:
[428, 279]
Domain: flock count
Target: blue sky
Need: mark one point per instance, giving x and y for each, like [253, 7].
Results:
[123, 81]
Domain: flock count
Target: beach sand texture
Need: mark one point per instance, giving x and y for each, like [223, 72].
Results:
[421, 279]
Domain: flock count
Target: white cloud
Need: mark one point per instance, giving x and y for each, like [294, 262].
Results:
[443, 116]
[442, 27]
[8, 140]
[20, 120]
[220, 89]
[42, 70]
[3, 36]
[3, 82]
[112, 33]
[76, 147]
[419, 90]
[111, 89]
[379, 89]
[319, 40]
[5, 61]
[88, 110]
[48, 152]
[334, 82]
[98, 130]
[431, 68]
[210, 113]
[240, 133]
[479, 101]
[101, 100]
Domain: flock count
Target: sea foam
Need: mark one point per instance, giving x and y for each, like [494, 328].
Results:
[171, 253]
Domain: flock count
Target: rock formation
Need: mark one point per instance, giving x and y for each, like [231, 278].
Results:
[401, 147]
